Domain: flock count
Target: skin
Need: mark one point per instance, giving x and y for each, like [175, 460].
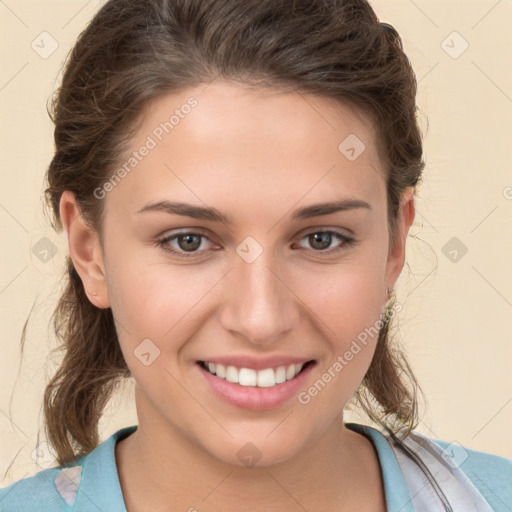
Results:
[255, 155]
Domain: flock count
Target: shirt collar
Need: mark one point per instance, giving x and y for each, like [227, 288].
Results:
[101, 488]
[398, 498]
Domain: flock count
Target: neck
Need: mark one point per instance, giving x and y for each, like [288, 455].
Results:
[159, 465]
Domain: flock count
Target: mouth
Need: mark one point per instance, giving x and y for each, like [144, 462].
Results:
[247, 377]
[261, 389]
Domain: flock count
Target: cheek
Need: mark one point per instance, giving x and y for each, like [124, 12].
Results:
[346, 306]
[346, 299]
[153, 308]
[350, 325]
[157, 301]
[149, 294]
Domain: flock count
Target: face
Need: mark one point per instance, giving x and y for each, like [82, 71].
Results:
[245, 272]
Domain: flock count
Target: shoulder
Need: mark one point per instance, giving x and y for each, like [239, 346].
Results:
[37, 492]
[489, 473]
[90, 484]
[461, 473]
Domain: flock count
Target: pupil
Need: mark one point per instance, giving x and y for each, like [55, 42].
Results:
[321, 238]
[190, 244]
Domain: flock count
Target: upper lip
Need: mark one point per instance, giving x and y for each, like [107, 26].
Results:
[260, 363]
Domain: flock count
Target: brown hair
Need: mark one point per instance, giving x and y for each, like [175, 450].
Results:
[133, 53]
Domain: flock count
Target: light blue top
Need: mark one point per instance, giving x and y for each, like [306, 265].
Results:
[95, 475]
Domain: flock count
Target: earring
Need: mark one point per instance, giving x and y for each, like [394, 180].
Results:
[94, 293]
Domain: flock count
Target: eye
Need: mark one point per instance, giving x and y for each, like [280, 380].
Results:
[186, 242]
[322, 240]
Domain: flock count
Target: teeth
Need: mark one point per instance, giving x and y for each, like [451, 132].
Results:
[281, 375]
[220, 370]
[266, 378]
[247, 377]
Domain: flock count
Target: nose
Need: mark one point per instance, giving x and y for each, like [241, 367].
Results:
[260, 305]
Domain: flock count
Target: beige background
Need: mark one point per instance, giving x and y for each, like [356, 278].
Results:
[457, 317]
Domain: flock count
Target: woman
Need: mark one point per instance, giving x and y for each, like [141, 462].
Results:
[236, 181]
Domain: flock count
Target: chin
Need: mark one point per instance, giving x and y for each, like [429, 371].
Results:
[256, 452]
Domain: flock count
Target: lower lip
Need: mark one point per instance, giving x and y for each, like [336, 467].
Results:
[252, 397]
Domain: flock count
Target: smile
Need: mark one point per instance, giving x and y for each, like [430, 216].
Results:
[266, 378]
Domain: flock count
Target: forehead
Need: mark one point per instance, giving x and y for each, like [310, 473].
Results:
[227, 140]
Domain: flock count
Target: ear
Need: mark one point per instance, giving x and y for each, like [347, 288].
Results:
[396, 255]
[85, 250]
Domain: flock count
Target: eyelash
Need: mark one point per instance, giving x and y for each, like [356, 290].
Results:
[347, 242]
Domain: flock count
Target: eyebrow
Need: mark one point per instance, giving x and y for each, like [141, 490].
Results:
[206, 213]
